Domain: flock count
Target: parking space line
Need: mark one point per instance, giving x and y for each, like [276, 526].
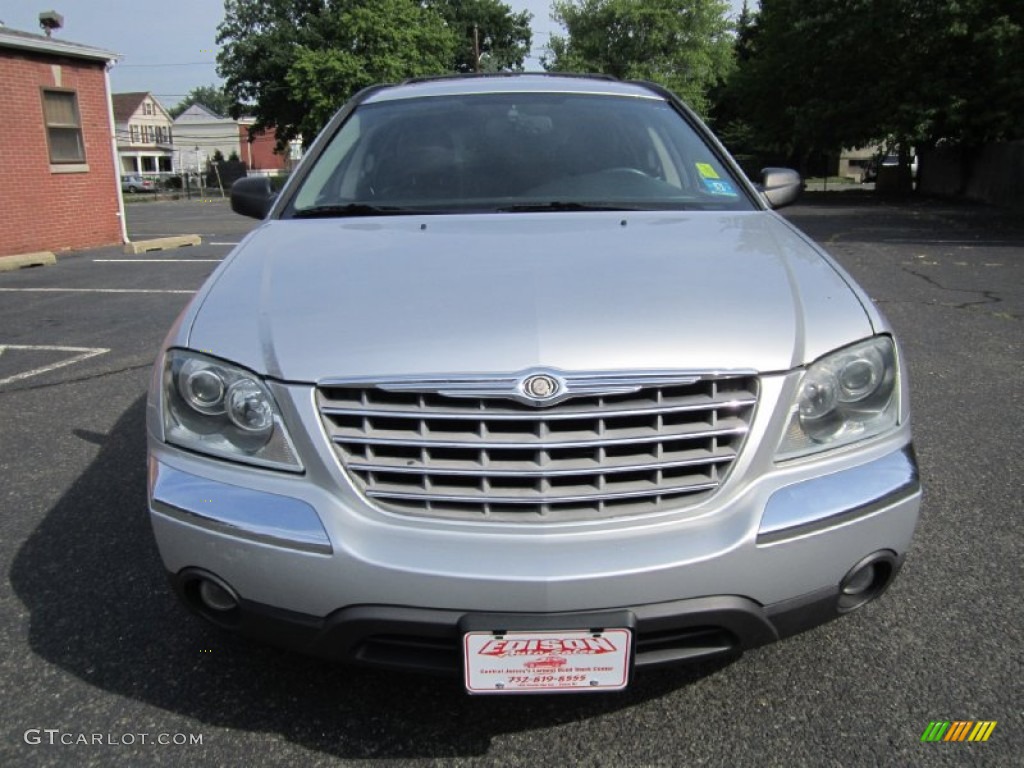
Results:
[148, 235]
[213, 243]
[925, 240]
[94, 290]
[84, 354]
[156, 261]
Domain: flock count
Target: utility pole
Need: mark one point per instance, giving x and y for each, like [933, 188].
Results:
[476, 46]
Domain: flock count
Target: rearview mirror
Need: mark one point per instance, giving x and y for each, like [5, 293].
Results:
[252, 196]
[781, 186]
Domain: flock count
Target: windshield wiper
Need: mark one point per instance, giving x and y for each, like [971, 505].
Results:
[354, 209]
[560, 205]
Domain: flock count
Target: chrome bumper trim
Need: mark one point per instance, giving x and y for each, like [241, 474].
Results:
[824, 502]
[245, 513]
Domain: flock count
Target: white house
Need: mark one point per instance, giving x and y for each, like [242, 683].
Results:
[199, 134]
[144, 135]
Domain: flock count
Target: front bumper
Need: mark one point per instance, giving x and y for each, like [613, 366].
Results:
[312, 572]
[429, 640]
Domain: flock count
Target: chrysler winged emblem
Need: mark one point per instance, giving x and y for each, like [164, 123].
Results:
[541, 387]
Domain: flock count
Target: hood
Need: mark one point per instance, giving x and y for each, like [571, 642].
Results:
[307, 300]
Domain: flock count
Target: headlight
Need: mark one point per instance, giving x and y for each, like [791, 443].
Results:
[223, 410]
[850, 395]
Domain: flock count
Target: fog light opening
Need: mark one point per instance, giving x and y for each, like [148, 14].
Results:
[866, 580]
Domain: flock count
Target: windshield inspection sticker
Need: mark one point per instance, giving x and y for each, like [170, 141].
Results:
[706, 171]
[718, 187]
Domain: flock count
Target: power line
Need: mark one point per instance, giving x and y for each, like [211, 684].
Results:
[177, 64]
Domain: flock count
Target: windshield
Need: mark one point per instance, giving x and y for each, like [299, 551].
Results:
[516, 152]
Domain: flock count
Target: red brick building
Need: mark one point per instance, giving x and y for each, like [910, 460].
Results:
[258, 149]
[59, 185]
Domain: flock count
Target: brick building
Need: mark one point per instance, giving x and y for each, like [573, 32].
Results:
[59, 186]
[258, 149]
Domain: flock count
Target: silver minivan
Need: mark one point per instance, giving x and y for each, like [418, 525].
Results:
[521, 379]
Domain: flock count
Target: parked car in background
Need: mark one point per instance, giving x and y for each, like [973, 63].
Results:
[522, 379]
[135, 183]
[870, 170]
[890, 161]
[893, 161]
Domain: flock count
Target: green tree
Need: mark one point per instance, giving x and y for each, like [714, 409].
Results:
[213, 97]
[975, 67]
[503, 37]
[822, 75]
[818, 76]
[292, 63]
[745, 33]
[728, 114]
[685, 45]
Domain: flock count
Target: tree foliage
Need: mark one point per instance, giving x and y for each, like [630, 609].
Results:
[819, 75]
[504, 37]
[374, 41]
[684, 45]
[213, 97]
[292, 63]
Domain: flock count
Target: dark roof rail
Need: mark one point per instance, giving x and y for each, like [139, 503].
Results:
[472, 75]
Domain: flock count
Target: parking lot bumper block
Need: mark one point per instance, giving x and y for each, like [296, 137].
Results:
[20, 260]
[163, 243]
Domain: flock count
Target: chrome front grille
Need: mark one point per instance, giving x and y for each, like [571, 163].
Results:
[471, 448]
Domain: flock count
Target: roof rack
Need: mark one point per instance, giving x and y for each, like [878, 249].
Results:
[472, 75]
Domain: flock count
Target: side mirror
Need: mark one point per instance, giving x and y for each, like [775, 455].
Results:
[252, 196]
[781, 186]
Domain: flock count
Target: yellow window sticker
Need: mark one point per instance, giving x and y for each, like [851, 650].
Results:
[706, 171]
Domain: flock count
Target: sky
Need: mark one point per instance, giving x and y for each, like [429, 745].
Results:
[169, 47]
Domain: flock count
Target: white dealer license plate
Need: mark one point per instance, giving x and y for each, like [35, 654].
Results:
[546, 662]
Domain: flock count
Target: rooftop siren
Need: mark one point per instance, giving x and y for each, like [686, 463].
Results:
[49, 21]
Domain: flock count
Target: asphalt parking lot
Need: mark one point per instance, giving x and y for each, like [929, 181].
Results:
[95, 644]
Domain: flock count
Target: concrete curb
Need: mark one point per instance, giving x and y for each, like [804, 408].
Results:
[162, 243]
[19, 260]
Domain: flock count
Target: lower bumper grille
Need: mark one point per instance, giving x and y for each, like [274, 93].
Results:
[433, 449]
[441, 655]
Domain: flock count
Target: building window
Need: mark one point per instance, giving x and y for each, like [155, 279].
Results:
[147, 108]
[134, 133]
[63, 127]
